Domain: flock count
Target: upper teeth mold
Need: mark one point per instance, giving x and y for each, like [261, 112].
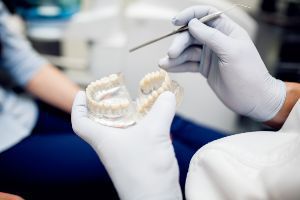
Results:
[110, 104]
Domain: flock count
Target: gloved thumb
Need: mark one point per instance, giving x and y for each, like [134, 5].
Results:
[79, 109]
[213, 38]
[163, 110]
[81, 124]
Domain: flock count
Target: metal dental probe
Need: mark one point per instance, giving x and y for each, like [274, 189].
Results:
[185, 28]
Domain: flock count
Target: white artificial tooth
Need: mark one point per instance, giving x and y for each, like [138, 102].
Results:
[145, 89]
[124, 104]
[117, 112]
[92, 85]
[114, 107]
[90, 105]
[162, 72]
[157, 76]
[142, 83]
[106, 106]
[127, 103]
[108, 111]
[165, 86]
[147, 103]
[119, 106]
[101, 107]
[142, 110]
[152, 86]
[95, 87]
[88, 92]
[145, 77]
[168, 80]
[155, 94]
[160, 90]
[105, 80]
[88, 89]
[148, 89]
[157, 73]
[143, 101]
[92, 89]
[152, 74]
[97, 82]
[98, 109]
[147, 80]
[151, 99]
[94, 106]
[113, 77]
[142, 107]
[157, 84]
[140, 102]
[111, 109]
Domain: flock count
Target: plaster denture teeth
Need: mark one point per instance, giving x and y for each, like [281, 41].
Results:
[153, 81]
[109, 102]
[142, 104]
[160, 91]
[100, 97]
[151, 86]
[155, 94]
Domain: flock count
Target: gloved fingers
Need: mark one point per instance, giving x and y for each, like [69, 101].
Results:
[191, 54]
[213, 38]
[187, 14]
[81, 124]
[222, 23]
[180, 43]
[79, 108]
[162, 113]
[185, 67]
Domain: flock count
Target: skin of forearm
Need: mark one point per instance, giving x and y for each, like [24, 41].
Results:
[292, 96]
[5, 196]
[53, 87]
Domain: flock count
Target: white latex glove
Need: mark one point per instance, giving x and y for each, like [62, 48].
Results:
[229, 61]
[140, 159]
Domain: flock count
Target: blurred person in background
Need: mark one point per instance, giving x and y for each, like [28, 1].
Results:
[40, 156]
[256, 165]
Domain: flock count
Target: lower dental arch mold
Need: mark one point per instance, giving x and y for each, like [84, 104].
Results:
[109, 102]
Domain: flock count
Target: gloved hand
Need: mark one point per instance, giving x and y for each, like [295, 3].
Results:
[223, 53]
[140, 159]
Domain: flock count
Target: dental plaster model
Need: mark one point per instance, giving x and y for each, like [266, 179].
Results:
[110, 104]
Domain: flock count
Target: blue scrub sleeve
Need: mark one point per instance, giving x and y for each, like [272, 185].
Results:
[18, 58]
